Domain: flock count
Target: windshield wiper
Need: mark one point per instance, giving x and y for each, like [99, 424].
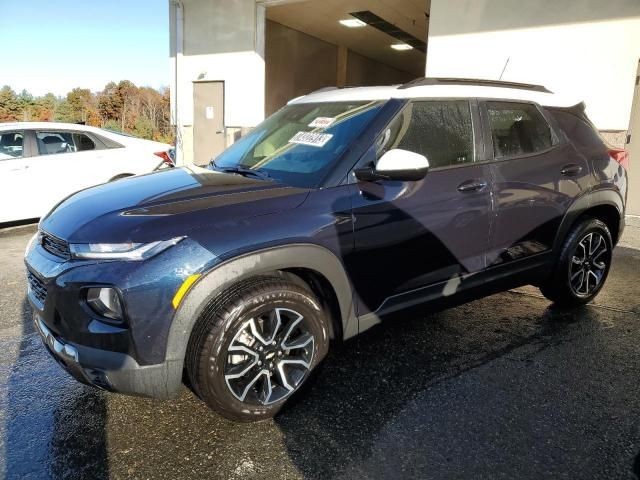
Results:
[244, 171]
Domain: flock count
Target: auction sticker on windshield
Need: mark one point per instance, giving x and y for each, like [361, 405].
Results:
[322, 122]
[311, 138]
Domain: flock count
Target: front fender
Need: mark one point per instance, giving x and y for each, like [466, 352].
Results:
[222, 276]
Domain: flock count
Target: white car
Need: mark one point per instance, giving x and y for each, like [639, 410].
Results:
[42, 163]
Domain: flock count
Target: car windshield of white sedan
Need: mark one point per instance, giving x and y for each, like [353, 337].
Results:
[298, 144]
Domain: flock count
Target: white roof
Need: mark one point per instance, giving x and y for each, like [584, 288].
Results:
[49, 126]
[438, 91]
[121, 138]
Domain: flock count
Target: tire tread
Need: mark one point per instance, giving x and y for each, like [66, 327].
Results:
[212, 323]
[556, 288]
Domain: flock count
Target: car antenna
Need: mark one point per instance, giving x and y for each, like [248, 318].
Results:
[504, 68]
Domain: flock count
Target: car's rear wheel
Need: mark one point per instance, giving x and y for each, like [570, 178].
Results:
[254, 347]
[583, 266]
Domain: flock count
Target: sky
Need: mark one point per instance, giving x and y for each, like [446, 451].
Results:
[56, 45]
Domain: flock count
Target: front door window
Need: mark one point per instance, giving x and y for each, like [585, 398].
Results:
[439, 130]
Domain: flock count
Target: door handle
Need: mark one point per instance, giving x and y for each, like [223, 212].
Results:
[472, 185]
[19, 168]
[571, 170]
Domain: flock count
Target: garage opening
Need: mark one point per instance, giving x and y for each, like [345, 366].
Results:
[315, 44]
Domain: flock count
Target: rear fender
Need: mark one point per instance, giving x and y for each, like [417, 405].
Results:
[583, 204]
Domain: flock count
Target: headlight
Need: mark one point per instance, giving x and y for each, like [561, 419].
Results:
[120, 251]
[105, 301]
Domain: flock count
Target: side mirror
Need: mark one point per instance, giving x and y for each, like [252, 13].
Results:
[396, 164]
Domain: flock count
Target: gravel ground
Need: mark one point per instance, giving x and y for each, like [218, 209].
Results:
[504, 387]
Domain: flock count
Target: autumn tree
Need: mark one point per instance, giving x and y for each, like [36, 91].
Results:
[122, 106]
[110, 103]
[77, 107]
[130, 104]
[26, 104]
[46, 108]
[9, 105]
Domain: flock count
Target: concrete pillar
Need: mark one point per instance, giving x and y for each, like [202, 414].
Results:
[217, 40]
[343, 55]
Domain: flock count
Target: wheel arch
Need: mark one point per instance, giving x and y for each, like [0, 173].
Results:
[325, 291]
[315, 265]
[605, 205]
[609, 215]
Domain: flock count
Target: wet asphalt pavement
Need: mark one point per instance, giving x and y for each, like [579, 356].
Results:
[504, 387]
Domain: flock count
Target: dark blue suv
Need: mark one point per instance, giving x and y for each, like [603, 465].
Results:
[342, 208]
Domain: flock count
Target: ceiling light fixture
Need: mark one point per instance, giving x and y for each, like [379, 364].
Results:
[400, 36]
[352, 23]
[401, 46]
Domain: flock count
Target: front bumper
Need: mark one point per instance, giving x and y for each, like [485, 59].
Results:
[129, 357]
[113, 371]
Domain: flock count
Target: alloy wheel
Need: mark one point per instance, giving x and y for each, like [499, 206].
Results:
[269, 357]
[588, 264]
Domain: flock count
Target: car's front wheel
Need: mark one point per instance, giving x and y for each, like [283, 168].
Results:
[583, 265]
[255, 345]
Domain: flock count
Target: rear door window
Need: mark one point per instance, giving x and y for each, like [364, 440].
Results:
[518, 129]
[440, 130]
[11, 145]
[53, 142]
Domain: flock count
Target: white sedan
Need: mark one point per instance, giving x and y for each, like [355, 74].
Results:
[42, 163]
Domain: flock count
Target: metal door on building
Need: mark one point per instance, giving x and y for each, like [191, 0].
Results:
[208, 121]
[633, 147]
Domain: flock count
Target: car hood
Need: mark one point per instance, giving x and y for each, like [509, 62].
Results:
[164, 204]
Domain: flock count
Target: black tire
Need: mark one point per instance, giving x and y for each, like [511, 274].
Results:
[561, 288]
[225, 323]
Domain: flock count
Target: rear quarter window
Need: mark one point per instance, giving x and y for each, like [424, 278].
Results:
[108, 142]
[577, 130]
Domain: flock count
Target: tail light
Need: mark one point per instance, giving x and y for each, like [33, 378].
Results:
[620, 155]
[165, 158]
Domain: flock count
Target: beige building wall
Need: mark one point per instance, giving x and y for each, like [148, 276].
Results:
[364, 71]
[216, 40]
[263, 64]
[586, 48]
[297, 63]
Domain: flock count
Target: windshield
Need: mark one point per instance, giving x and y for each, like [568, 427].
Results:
[299, 144]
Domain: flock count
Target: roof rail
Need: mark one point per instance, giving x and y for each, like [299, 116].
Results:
[324, 89]
[473, 81]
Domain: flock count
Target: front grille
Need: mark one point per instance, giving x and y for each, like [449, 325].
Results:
[37, 287]
[55, 246]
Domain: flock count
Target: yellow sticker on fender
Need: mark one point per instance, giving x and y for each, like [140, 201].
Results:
[184, 288]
